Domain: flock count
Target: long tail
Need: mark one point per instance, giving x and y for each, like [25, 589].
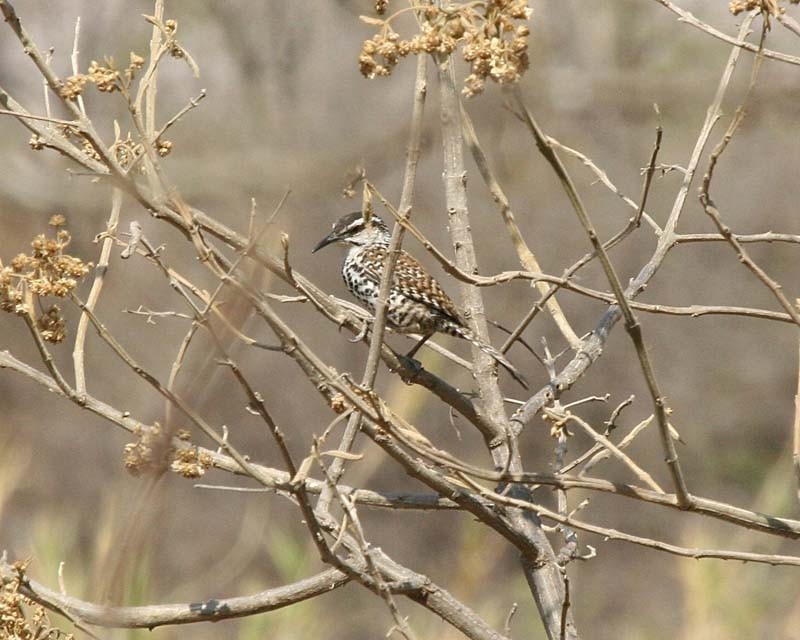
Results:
[463, 332]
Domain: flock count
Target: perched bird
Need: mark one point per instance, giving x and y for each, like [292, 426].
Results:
[417, 303]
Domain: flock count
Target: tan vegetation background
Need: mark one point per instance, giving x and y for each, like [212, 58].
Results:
[287, 107]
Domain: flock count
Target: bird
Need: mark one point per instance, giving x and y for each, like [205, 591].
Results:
[416, 303]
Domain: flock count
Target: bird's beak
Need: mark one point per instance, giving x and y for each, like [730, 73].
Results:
[330, 238]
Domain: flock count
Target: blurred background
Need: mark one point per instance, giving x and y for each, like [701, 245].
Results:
[287, 108]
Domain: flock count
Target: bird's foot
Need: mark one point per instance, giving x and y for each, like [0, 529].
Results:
[361, 334]
[411, 369]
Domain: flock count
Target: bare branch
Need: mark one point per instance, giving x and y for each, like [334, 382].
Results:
[526, 257]
[97, 285]
[609, 446]
[711, 209]
[613, 534]
[796, 432]
[739, 41]
[593, 345]
[151, 616]
[631, 322]
[538, 559]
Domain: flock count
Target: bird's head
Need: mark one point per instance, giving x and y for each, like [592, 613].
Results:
[354, 229]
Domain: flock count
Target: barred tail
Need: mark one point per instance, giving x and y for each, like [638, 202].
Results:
[489, 350]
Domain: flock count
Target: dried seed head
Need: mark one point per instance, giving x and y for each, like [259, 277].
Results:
[52, 326]
[164, 147]
[72, 86]
[89, 150]
[766, 7]
[488, 33]
[136, 63]
[176, 51]
[36, 142]
[46, 271]
[190, 462]
[106, 79]
[150, 452]
[21, 617]
[338, 403]
[57, 220]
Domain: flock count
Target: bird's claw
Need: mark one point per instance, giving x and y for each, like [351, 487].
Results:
[411, 368]
[361, 334]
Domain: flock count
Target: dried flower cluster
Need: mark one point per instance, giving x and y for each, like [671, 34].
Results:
[136, 63]
[170, 29]
[126, 151]
[51, 325]
[767, 7]
[163, 147]
[36, 142]
[88, 149]
[105, 77]
[149, 452]
[339, 404]
[190, 462]
[140, 456]
[20, 617]
[46, 271]
[72, 87]
[488, 33]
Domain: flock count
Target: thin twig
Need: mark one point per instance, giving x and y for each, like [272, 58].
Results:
[598, 453]
[739, 41]
[790, 23]
[613, 534]
[78, 351]
[711, 209]
[602, 176]
[593, 345]
[193, 103]
[631, 322]
[565, 282]
[74, 60]
[526, 257]
[271, 478]
[609, 446]
[796, 430]
[768, 237]
[401, 623]
[31, 116]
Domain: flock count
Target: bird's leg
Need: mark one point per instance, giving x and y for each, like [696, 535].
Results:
[416, 347]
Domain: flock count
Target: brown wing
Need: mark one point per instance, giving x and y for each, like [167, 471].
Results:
[413, 281]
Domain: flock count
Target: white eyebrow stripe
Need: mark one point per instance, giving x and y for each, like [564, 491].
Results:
[354, 225]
